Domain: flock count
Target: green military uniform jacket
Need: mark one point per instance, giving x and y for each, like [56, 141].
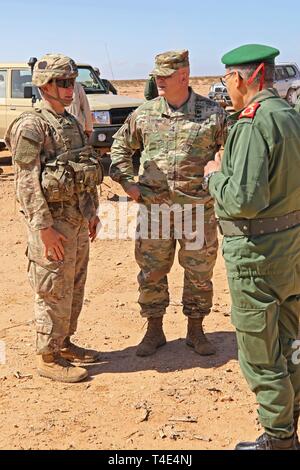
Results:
[260, 179]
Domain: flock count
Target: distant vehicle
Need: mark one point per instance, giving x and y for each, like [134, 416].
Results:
[108, 111]
[218, 93]
[287, 81]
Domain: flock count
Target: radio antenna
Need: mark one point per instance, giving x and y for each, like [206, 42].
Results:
[109, 62]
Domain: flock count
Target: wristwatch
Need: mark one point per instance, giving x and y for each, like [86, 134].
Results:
[206, 179]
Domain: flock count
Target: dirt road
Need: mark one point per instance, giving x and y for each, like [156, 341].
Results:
[175, 399]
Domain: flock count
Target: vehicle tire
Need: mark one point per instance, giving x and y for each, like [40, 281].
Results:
[291, 96]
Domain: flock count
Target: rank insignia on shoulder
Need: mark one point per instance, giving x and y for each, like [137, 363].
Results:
[250, 111]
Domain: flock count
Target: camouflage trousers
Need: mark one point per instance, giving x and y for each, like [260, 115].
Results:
[58, 286]
[155, 258]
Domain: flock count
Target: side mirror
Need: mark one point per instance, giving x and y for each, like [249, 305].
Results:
[28, 93]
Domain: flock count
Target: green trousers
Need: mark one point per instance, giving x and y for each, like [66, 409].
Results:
[265, 312]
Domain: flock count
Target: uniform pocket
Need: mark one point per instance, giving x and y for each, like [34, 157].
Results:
[253, 321]
[257, 333]
[47, 279]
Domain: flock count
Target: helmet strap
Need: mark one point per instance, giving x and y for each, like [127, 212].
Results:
[56, 98]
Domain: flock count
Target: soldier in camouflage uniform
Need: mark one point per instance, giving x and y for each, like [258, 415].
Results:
[56, 179]
[177, 134]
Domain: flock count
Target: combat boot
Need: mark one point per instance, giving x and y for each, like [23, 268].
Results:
[54, 367]
[197, 339]
[153, 339]
[74, 353]
[266, 442]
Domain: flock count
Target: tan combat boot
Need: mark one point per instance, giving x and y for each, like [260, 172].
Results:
[197, 339]
[153, 339]
[74, 353]
[55, 367]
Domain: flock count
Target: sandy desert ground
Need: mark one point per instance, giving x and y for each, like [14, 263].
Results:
[175, 399]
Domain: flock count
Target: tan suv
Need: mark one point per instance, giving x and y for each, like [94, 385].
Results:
[109, 111]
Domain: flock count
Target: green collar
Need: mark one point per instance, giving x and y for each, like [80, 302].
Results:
[263, 95]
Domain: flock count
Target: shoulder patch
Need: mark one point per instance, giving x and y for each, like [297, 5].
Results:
[250, 111]
[28, 147]
[30, 135]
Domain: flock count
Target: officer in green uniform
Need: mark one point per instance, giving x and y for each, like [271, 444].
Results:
[257, 192]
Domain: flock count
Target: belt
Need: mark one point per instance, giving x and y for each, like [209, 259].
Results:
[255, 227]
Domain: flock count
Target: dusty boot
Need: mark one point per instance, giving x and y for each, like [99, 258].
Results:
[197, 339]
[74, 353]
[55, 367]
[153, 339]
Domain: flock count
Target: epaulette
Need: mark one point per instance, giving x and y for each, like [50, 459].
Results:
[250, 111]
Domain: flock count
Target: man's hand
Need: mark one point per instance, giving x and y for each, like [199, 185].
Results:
[93, 222]
[134, 192]
[213, 165]
[52, 240]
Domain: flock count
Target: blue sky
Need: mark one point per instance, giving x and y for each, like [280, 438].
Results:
[122, 37]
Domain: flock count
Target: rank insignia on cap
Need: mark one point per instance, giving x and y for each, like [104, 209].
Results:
[250, 111]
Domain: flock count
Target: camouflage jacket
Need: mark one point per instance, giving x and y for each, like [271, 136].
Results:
[33, 142]
[175, 146]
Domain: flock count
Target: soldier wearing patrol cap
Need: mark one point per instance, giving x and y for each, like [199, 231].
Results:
[257, 191]
[177, 134]
[56, 185]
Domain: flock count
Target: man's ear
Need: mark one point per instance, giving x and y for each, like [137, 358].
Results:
[185, 77]
[240, 83]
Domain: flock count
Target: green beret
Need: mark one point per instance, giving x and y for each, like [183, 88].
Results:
[250, 53]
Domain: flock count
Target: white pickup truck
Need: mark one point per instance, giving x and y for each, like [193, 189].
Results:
[109, 111]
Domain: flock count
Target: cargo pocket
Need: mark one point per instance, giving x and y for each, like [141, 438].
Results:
[47, 279]
[257, 333]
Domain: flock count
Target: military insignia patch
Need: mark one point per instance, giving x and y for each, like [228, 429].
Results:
[250, 111]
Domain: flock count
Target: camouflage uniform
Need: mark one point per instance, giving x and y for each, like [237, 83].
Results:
[51, 194]
[175, 145]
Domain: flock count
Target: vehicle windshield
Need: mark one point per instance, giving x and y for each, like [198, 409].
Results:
[90, 80]
[21, 78]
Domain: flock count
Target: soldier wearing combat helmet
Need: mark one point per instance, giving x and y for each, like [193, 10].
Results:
[56, 176]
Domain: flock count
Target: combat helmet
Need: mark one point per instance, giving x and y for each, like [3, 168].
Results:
[52, 66]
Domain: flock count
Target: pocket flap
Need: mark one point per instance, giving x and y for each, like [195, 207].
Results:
[252, 320]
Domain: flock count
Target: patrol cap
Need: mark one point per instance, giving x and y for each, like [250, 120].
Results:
[168, 62]
[250, 53]
[52, 66]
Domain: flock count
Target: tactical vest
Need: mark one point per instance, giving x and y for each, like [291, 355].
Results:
[71, 171]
